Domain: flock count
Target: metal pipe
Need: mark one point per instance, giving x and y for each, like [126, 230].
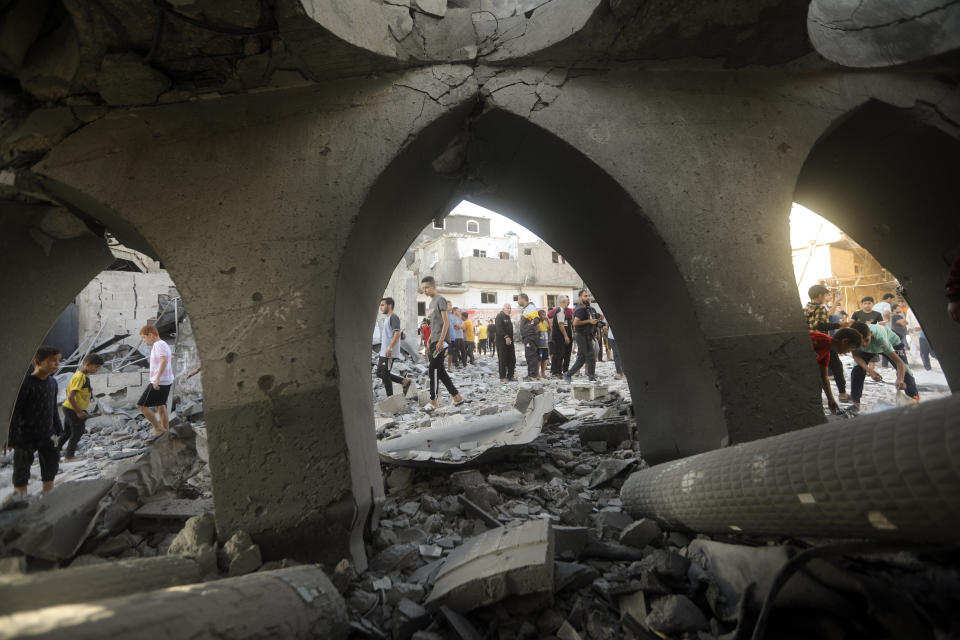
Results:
[892, 475]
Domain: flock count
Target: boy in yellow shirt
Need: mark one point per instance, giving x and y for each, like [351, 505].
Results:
[79, 393]
[543, 334]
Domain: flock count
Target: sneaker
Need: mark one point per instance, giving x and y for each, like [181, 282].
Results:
[567, 379]
[592, 378]
[619, 376]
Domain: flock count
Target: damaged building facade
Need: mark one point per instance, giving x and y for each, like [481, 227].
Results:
[278, 157]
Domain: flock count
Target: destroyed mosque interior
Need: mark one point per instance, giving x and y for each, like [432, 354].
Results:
[202, 203]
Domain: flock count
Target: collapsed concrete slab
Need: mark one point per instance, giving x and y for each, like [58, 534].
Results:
[94, 582]
[504, 562]
[298, 602]
[54, 528]
[475, 441]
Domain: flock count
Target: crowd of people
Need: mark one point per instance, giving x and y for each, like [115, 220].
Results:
[450, 339]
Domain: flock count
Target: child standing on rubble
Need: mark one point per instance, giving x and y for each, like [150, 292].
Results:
[161, 379]
[35, 426]
[79, 393]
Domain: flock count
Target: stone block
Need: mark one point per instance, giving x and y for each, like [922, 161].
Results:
[117, 381]
[437, 8]
[612, 431]
[198, 531]
[391, 404]
[504, 562]
[640, 533]
[587, 391]
[676, 614]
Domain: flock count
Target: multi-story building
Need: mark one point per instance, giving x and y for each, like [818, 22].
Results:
[479, 272]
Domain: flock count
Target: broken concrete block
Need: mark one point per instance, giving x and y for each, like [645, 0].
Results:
[508, 561]
[462, 480]
[508, 486]
[572, 576]
[408, 618]
[391, 404]
[633, 611]
[676, 614]
[589, 391]
[399, 20]
[198, 531]
[609, 469]
[55, 527]
[613, 431]
[736, 566]
[640, 533]
[395, 558]
[670, 567]
[423, 398]
[615, 521]
[240, 555]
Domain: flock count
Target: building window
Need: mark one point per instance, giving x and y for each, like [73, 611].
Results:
[552, 301]
[504, 255]
[473, 226]
[528, 252]
[556, 257]
[440, 223]
[421, 308]
[516, 298]
[488, 297]
[479, 253]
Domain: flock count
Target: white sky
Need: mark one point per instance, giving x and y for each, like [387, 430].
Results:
[499, 224]
[805, 225]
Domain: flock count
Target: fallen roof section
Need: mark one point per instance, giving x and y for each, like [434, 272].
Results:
[475, 441]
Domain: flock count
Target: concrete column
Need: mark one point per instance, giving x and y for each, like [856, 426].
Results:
[248, 202]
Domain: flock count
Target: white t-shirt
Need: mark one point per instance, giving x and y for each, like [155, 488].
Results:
[159, 350]
[884, 309]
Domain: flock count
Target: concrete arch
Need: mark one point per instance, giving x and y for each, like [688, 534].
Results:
[889, 179]
[46, 257]
[523, 171]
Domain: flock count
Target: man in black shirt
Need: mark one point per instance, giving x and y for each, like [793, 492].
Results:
[585, 319]
[561, 339]
[35, 426]
[866, 314]
[506, 355]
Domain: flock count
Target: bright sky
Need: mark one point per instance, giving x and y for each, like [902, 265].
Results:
[806, 227]
[499, 225]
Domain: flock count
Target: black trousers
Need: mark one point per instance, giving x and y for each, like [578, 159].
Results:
[73, 428]
[438, 374]
[468, 352]
[858, 374]
[384, 365]
[507, 359]
[925, 352]
[531, 351]
[23, 460]
[482, 346]
[836, 368]
[560, 361]
[585, 355]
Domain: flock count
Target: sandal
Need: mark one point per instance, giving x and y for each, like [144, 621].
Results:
[151, 439]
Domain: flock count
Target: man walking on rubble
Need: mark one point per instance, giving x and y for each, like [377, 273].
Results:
[561, 337]
[161, 379]
[469, 339]
[492, 337]
[440, 329]
[529, 319]
[390, 334]
[481, 337]
[507, 357]
[35, 427]
[585, 319]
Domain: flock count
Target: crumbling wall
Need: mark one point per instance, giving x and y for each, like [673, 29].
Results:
[403, 289]
[121, 302]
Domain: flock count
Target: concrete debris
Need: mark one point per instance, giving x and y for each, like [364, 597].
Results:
[198, 532]
[676, 613]
[476, 440]
[93, 582]
[239, 556]
[640, 533]
[287, 603]
[510, 561]
[612, 431]
[125, 78]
